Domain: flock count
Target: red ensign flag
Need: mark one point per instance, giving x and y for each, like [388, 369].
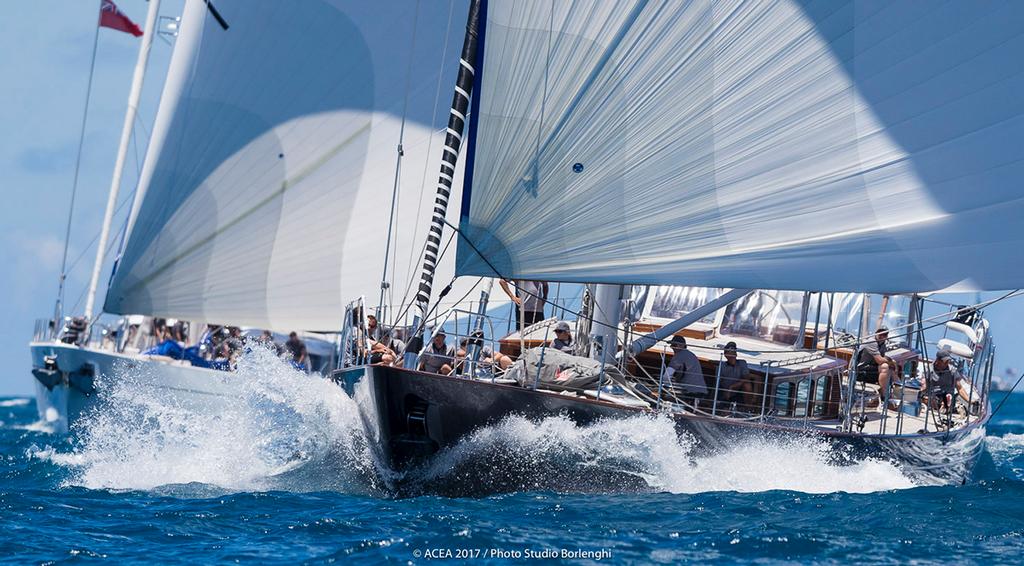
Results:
[113, 18]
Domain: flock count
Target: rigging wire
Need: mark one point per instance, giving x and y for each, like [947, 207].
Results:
[135, 151]
[384, 286]
[78, 164]
[110, 247]
[129, 197]
[1007, 396]
[96, 236]
[430, 141]
[408, 305]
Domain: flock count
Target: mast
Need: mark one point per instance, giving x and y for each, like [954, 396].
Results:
[449, 157]
[607, 315]
[122, 152]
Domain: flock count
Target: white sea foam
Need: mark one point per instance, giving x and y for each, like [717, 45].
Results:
[557, 450]
[281, 429]
[1005, 448]
[15, 402]
[37, 426]
[286, 430]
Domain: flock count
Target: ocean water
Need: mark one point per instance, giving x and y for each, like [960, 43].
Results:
[284, 474]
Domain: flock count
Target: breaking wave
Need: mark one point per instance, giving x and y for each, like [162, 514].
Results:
[275, 429]
[14, 402]
[280, 429]
[1007, 453]
[642, 454]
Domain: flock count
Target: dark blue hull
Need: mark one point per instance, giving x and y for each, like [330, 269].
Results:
[415, 415]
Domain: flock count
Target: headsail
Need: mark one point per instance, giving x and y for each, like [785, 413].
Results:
[790, 145]
[266, 191]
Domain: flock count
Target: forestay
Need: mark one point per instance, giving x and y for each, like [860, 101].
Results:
[267, 188]
[870, 146]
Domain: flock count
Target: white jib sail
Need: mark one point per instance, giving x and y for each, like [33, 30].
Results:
[760, 144]
[265, 196]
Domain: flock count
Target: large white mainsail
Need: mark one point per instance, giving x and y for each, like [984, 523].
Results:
[869, 146]
[266, 191]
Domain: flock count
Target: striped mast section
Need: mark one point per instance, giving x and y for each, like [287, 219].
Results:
[449, 157]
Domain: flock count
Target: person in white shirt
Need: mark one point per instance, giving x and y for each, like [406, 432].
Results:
[529, 300]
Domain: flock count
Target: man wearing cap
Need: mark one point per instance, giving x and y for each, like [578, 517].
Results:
[872, 364]
[563, 339]
[734, 383]
[439, 357]
[944, 382]
[683, 371]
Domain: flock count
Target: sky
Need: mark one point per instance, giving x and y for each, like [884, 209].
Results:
[45, 50]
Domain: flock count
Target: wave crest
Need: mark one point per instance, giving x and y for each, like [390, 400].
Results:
[642, 454]
[280, 429]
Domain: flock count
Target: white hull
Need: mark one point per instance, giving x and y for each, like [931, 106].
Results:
[67, 396]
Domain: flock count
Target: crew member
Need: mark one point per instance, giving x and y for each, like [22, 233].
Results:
[297, 348]
[734, 381]
[683, 372]
[487, 357]
[563, 338]
[873, 366]
[439, 357]
[372, 330]
[529, 299]
[944, 382]
[387, 350]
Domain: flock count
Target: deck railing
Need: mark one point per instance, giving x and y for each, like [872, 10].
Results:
[785, 392]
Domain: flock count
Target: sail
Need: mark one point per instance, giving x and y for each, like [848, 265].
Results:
[266, 192]
[842, 146]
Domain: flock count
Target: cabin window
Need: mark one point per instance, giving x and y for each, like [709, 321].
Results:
[770, 315]
[782, 393]
[847, 311]
[673, 301]
[803, 392]
[820, 393]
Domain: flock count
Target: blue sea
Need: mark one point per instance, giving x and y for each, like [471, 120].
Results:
[288, 477]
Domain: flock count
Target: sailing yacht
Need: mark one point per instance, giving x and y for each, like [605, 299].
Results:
[757, 157]
[283, 178]
[760, 152]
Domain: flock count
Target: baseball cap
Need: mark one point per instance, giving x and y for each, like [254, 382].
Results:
[678, 341]
[729, 347]
[943, 355]
[562, 326]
